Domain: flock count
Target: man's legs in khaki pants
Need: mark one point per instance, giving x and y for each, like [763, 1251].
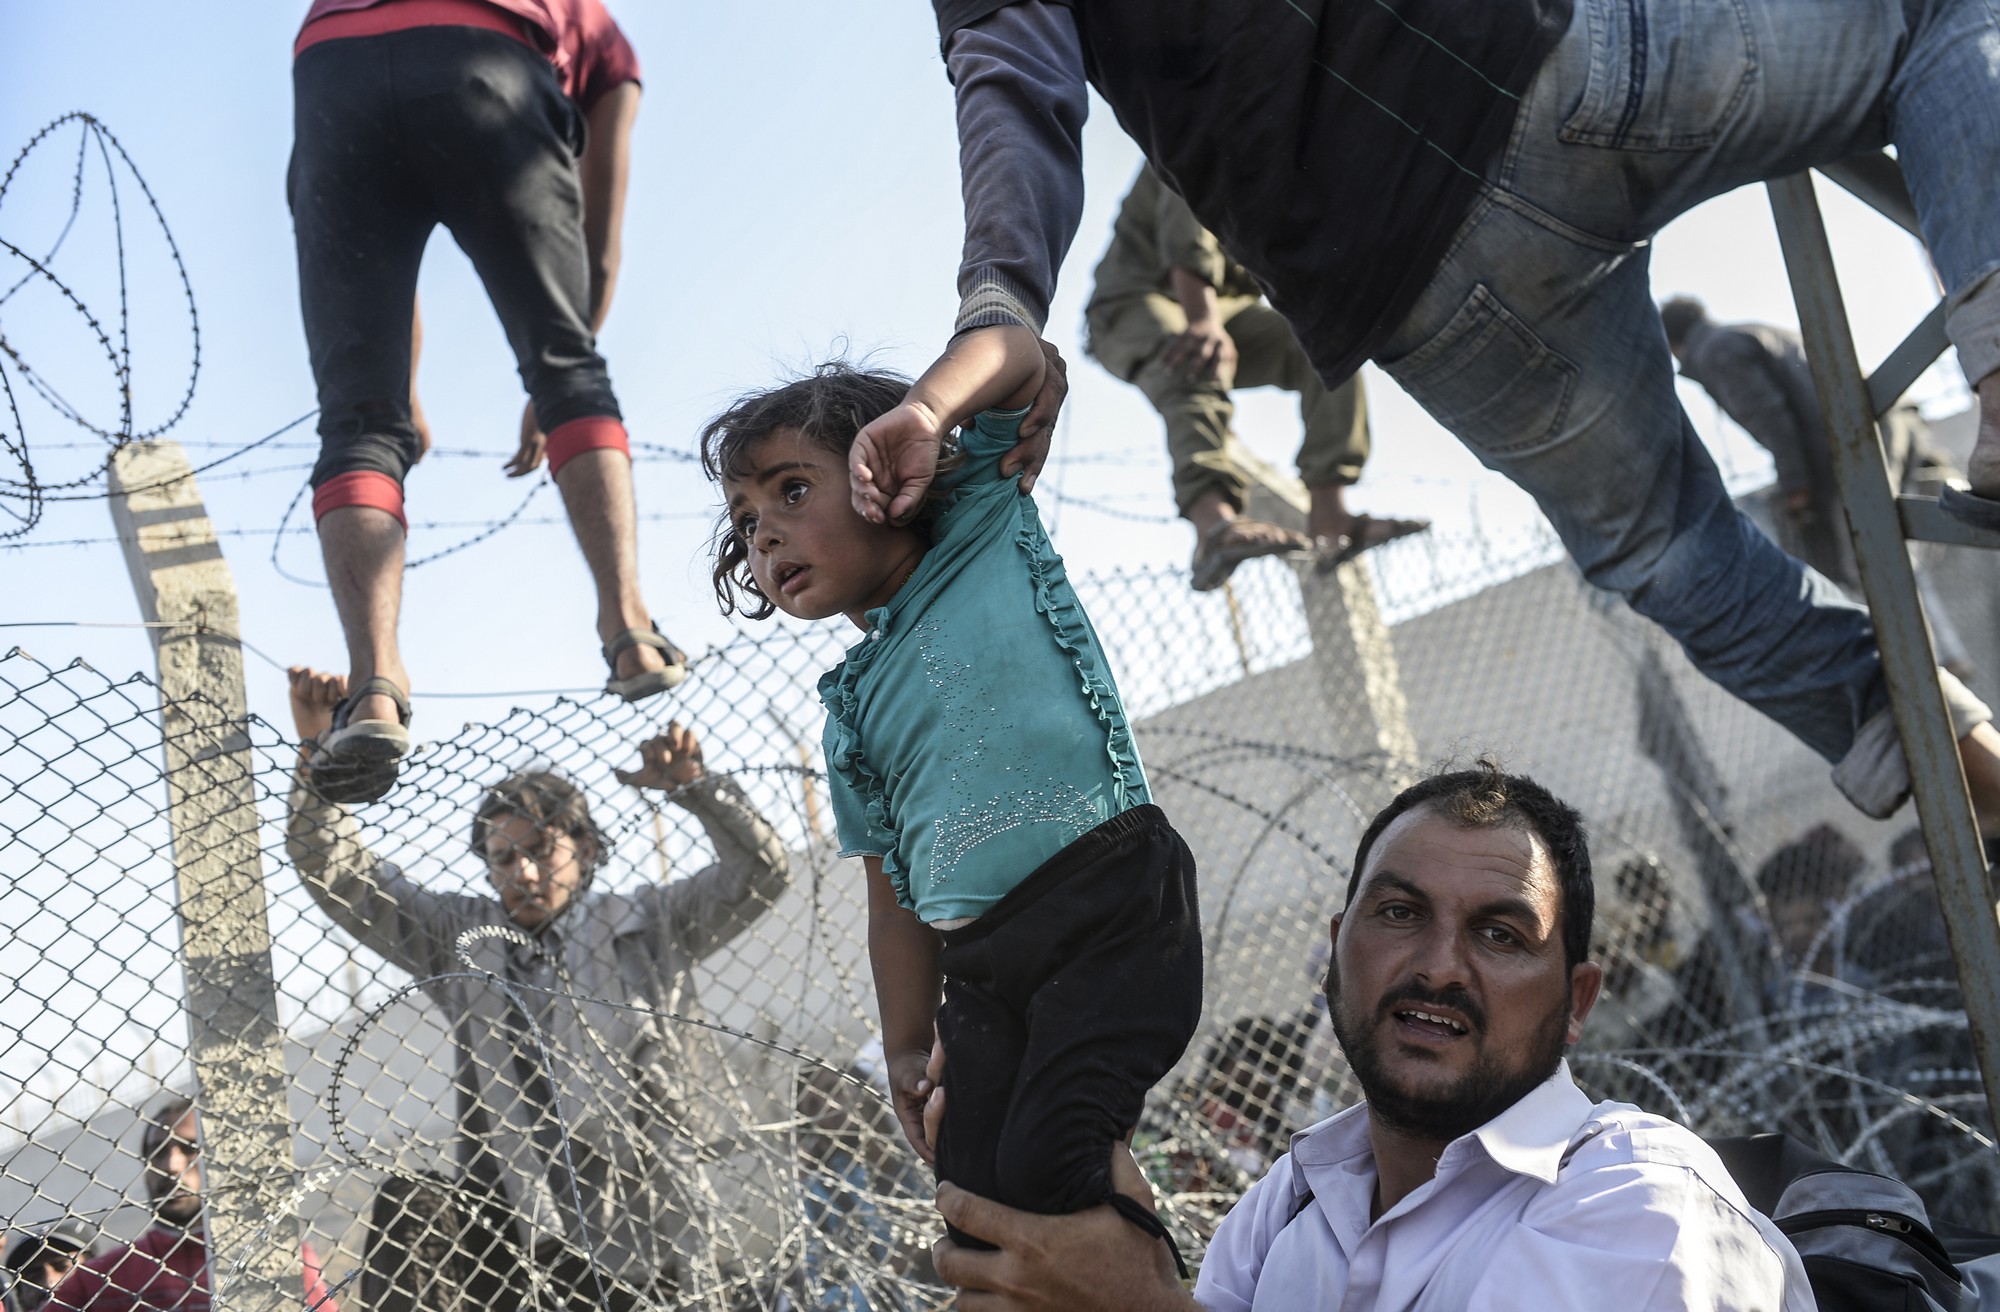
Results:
[1335, 444]
[1129, 338]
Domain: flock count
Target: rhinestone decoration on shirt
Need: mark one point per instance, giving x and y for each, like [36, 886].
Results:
[990, 735]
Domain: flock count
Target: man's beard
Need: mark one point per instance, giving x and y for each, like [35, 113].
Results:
[1471, 1100]
[178, 1209]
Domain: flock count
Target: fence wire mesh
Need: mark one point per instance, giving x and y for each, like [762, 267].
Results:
[680, 1104]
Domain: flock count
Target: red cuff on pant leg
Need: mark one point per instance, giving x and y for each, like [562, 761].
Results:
[590, 433]
[363, 487]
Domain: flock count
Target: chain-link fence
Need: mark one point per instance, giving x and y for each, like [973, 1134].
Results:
[682, 1104]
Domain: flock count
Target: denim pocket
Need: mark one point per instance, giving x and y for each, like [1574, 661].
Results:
[1488, 379]
[1664, 74]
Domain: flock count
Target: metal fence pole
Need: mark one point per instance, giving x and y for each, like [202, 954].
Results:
[1944, 806]
[237, 1045]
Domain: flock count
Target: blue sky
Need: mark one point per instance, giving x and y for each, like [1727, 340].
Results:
[795, 194]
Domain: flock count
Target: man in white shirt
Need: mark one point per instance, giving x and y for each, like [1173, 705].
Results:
[1475, 1176]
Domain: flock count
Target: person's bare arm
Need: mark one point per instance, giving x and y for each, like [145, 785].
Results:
[894, 458]
[1093, 1259]
[606, 169]
[903, 951]
[391, 914]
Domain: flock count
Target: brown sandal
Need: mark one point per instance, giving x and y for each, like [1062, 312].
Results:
[646, 683]
[1215, 561]
[1332, 553]
[357, 761]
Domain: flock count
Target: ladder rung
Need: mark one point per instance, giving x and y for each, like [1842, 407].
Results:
[1924, 522]
[1877, 181]
[1908, 361]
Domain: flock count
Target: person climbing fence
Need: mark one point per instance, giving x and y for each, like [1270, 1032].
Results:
[580, 1147]
[1171, 313]
[1469, 200]
[509, 123]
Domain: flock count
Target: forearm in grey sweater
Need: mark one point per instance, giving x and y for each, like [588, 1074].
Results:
[1022, 101]
[749, 858]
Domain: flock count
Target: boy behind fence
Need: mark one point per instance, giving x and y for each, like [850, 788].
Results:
[581, 1116]
[982, 766]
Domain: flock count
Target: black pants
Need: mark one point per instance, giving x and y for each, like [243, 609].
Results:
[395, 134]
[1063, 1005]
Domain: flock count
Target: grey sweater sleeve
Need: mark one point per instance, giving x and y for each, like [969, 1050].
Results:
[1022, 100]
[750, 874]
[384, 909]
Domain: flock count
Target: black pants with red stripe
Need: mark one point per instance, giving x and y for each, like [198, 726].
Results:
[399, 133]
[1063, 1005]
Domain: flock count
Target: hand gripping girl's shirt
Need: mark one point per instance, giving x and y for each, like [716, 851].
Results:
[982, 766]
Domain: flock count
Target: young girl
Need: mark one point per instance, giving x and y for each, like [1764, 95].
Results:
[982, 766]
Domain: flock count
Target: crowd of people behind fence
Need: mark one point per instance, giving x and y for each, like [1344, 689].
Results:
[1464, 196]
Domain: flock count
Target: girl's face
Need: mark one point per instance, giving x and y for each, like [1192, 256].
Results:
[810, 553]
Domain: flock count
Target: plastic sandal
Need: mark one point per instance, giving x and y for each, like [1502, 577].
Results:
[647, 683]
[1214, 562]
[358, 760]
[1332, 553]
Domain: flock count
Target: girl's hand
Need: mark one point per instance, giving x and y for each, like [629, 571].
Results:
[672, 760]
[910, 1088]
[893, 461]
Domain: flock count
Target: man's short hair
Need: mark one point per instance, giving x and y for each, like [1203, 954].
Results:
[551, 802]
[1487, 797]
[1679, 316]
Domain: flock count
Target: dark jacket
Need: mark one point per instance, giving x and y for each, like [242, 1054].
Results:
[1333, 146]
[1759, 376]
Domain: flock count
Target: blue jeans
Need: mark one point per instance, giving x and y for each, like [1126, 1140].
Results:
[1537, 342]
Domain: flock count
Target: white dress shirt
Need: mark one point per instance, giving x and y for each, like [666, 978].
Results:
[1553, 1205]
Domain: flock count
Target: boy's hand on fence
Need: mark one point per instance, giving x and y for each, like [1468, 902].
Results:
[314, 695]
[893, 461]
[910, 1089]
[672, 760]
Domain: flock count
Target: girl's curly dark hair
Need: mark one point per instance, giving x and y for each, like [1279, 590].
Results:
[828, 407]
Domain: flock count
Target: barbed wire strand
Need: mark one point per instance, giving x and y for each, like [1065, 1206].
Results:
[29, 486]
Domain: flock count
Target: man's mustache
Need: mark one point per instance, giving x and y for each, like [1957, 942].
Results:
[1416, 996]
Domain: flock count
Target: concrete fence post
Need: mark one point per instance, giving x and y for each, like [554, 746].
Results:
[185, 589]
[1353, 653]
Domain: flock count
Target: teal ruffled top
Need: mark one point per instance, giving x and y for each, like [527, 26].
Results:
[975, 730]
